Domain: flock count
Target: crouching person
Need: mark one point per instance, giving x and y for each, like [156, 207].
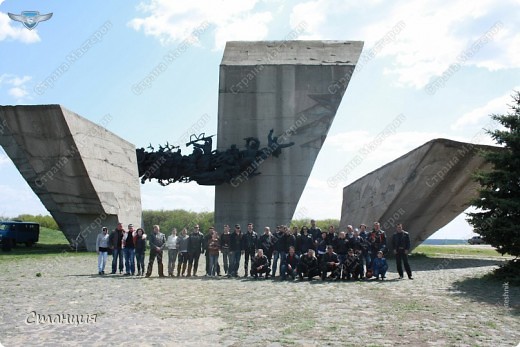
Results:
[380, 266]
[290, 264]
[330, 263]
[308, 266]
[352, 266]
[260, 265]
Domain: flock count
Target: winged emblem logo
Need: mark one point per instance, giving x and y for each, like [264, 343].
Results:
[30, 19]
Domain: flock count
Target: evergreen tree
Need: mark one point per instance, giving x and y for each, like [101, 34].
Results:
[499, 196]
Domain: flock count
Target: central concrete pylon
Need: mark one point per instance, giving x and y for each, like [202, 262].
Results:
[293, 87]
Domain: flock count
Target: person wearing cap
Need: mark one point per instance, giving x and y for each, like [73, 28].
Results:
[235, 251]
[329, 263]
[249, 243]
[157, 242]
[102, 246]
[401, 245]
[116, 245]
[129, 250]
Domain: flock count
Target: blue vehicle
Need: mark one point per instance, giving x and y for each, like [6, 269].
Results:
[12, 233]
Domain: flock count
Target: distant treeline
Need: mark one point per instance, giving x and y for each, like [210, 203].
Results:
[179, 219]
[44, 221]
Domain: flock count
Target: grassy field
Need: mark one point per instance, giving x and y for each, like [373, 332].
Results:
[51, 242]
[461, 250]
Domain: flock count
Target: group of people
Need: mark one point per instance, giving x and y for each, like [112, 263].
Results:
[307, 252]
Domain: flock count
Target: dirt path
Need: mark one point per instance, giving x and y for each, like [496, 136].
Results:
[443, 306]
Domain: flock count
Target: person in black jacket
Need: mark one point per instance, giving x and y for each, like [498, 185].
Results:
[260, 265]
[342, 246]
[330, 263]
[290, 264]
[140, 249]
[309, 266]
[352, 266]
[195, 248]
[315, 231]
[249, 243]
[224, 247]
[306, 240]
[266, 243]
[401, 245]
[129, 250]
[235, 250]
[297, 241]
[331, 236]
[279, 247]
[116, 245]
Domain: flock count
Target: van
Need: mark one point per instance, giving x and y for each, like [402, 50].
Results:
[12, 233]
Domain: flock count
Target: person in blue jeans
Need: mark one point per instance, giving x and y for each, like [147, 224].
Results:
[290, 264]
[129, 250]
[213, 250]
[116, 246]
[380, 266]
[235, 251]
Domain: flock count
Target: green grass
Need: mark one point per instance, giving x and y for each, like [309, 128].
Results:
[429, 250]
[51, 242]
[52, 237]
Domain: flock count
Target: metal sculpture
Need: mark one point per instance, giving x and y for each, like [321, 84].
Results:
[205, 165]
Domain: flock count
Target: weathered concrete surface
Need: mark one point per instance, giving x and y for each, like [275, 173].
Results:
[84, 175]
[424, 189]
[293, 87]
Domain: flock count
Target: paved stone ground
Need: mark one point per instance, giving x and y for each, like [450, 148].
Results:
[445, 305]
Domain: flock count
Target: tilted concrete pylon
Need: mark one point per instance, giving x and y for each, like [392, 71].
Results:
[84, 175]
[293, 87]
[424, 189]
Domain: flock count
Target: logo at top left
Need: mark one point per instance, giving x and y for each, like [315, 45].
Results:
[30, 19]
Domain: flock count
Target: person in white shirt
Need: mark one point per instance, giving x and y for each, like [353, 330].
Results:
[171, 243]
[102, 246]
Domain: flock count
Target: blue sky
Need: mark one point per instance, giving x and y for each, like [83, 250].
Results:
[473, 48]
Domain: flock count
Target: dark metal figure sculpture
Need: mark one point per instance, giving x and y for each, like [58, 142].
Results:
[205, 165]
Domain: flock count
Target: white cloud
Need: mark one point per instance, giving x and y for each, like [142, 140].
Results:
[435, 34]
[18, 93]
[175, 21]
[16, 86]
[497, 105]
[16, 31]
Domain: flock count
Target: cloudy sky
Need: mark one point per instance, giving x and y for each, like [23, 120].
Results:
[442, 66]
